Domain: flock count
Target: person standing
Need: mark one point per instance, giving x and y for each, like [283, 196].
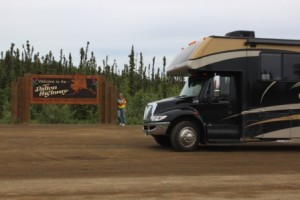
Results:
[121, 102]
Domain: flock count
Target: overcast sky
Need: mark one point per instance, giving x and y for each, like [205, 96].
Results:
[156, 28]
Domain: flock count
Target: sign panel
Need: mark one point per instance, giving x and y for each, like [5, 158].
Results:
[64, 89]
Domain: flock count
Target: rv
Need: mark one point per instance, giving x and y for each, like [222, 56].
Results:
[239, 89]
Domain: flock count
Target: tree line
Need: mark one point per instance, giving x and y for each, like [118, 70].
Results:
[140, 83]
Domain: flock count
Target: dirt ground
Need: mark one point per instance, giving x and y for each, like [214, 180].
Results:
[112, 162]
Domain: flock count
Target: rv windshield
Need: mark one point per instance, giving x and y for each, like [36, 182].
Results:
[192, 87]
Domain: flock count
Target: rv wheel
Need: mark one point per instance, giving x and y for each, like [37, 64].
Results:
[185, 136]
[162, 140]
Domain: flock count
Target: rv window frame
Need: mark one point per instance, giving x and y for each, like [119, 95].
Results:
[285, 67]
[280, 67]
[217, 92]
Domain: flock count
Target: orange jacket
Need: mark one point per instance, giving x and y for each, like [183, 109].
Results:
[121, 103]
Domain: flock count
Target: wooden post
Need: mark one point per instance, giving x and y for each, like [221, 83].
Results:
[107, 102]
[26, 117]
[102, 81]
[14, 102]
[20, 100]
[113, 108]
[100, 85]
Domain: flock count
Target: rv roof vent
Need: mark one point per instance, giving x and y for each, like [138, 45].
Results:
[247, 34]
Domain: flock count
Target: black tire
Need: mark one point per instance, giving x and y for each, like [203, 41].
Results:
[185, 136]
[162, 140]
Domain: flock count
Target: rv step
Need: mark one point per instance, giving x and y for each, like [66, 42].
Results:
[224, 141]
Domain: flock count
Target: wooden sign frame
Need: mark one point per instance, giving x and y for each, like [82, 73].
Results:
[63, 89]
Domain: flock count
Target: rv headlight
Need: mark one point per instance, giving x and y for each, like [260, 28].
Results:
[158, 117]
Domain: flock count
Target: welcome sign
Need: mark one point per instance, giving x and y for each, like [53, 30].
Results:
[64, 89]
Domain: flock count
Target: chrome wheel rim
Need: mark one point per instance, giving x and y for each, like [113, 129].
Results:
[187, 137]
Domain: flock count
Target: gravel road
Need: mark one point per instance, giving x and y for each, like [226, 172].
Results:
[113, 162]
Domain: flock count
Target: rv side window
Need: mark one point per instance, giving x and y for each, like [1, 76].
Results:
[225, 86]
[222, 86]
[271, 66]
[291, 69]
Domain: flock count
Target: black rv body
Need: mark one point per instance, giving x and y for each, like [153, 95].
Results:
[239, 89]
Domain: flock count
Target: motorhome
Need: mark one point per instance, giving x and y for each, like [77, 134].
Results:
[239, 89]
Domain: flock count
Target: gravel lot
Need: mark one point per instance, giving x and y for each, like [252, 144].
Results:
[113, 162]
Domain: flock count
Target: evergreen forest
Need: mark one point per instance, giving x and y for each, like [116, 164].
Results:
[140, 83]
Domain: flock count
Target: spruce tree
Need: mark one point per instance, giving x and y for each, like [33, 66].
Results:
[132, 82]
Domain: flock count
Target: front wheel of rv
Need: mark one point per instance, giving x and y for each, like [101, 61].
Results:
[185, 136]
[162, 140]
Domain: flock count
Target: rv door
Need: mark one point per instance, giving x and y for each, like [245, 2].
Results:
[221, 109]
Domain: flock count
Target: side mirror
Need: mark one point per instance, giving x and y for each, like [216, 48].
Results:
[217, 86]
[216, 93]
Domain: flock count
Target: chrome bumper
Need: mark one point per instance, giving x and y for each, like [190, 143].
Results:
[157, 128]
